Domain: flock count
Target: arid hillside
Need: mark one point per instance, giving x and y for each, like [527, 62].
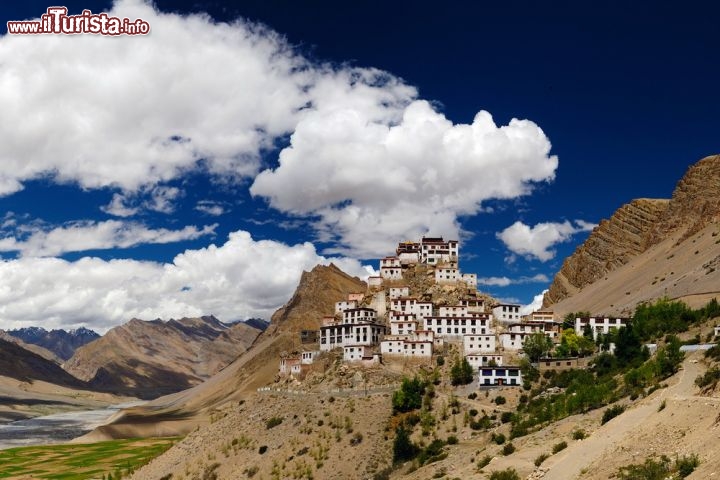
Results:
[180, 413]
[648, 249]
[150, 359]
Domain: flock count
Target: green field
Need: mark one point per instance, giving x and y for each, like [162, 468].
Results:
[81, 461]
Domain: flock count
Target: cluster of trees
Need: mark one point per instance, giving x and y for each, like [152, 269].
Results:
[461, 372]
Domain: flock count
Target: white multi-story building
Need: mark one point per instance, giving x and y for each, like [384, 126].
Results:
[447, 275]
[306, 358]
[355, 353]
[390, 268]
[358, 328]
[599, 325]
[345, 305]
[403, 327]
[397, 292]
[507, 313]
[542, 316]
[473, 305]
[473, 344]
[408, 252]
[484, 360]
[407, 348]
[413, 306]
[453, 311]
[435, 250]
[513, 340]
[457, 326]
[500, 376]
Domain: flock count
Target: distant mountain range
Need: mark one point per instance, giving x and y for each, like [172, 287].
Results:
[60, 342]
[148, 359]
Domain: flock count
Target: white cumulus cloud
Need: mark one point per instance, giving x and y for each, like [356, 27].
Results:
[538, 241]
[533, 306]
[238, 279]
[141, 110]
[378, 172]
[91, 235]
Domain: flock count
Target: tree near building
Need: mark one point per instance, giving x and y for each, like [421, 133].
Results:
[536, 346]
[461, 372]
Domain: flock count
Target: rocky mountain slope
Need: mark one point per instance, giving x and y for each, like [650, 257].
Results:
[314, 297]
[21, 364]
[32, 385]
[62, 343]
[43, 352]
[148, 359]
[648, 249]
[181, 412]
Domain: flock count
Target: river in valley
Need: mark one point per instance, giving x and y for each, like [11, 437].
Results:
[56, 428]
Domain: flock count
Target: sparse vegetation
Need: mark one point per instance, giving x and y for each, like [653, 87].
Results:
[660, 469]
[508, 449]
[611, 413]
[483, 462]
[541, 458]
[507, 474]
[559, 447]
[273, 422]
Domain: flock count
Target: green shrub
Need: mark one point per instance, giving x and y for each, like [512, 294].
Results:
[507, 474]
[661, 407]
[506, 417]
[498, 438]
[540, 459]
[273, 422]
[440, 360]
[262, 449]
[559, 447]
[403, 448]
[508, 449]
[711, 377]
[452, 440]
[579, 434]
[500, 400]
[484, 462]
[473, 412]
[410, 395]
[472, 396]
[611, 413]
[686, 465]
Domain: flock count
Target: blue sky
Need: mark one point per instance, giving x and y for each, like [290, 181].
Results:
[201, 168]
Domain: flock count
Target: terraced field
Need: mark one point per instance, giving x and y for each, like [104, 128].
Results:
[81, 461]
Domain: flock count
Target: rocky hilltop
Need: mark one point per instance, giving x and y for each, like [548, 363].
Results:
[636, 231]
[314, 297]
[148, 359]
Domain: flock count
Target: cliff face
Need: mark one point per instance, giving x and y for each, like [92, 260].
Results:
[640, 225]
[611, 244]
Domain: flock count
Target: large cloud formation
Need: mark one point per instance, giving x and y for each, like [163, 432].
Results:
[372, 182]
[240, 279]
[368, 163]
